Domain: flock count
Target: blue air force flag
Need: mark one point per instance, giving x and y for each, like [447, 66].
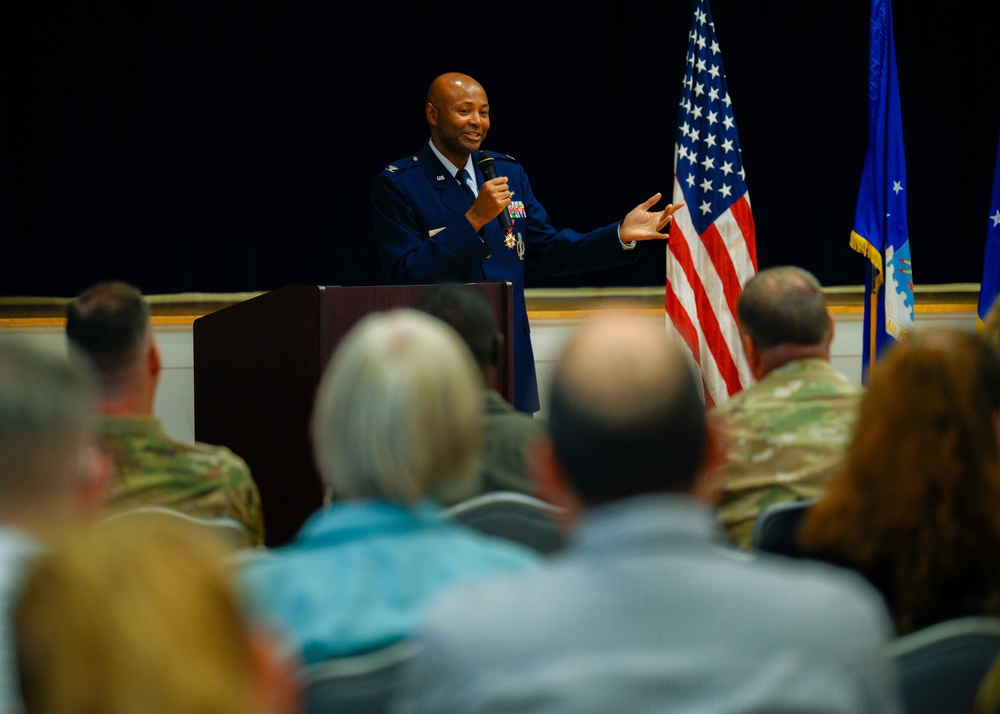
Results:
[990, 285]
[880, 230]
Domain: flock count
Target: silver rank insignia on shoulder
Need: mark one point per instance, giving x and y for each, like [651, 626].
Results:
[391, 168]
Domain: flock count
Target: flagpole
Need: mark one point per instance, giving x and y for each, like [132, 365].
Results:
[873, 319]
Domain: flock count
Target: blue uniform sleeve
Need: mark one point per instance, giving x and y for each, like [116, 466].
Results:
[560, 252]
[418, 240]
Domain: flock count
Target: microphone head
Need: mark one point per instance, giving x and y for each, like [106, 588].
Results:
[487, 165]
[489, 168]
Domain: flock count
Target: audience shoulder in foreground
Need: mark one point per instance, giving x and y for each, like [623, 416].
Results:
[916, 508]
[506, 430]
[143, 616]
[53, 479]
[785, 435]
[396, 429]
[110, 322]
[649, 609]
[987, 699]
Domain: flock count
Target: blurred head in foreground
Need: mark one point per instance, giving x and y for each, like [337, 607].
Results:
[917, 506]
[52, 476]
[626, 416]
[141, 616]
[398, 413]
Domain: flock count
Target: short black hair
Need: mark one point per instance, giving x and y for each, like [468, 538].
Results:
[108, 322]
[469, 314]
[783, 305]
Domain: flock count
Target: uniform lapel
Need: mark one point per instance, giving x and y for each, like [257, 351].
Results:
[452, 196]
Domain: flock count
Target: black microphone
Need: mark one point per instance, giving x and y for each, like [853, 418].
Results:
[489, 168]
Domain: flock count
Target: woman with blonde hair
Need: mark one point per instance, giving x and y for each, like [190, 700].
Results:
[917, 507]
[141, 616]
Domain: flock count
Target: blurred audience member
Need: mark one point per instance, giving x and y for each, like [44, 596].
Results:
[988, 696]
[53, 479]
[506, 429]
[787, 433]
[142, 616]
[396, 428]
[916, 508]
[649, 609]
[110, 322]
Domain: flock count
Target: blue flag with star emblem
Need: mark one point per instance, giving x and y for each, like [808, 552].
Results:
[880, 230]
[989, 287]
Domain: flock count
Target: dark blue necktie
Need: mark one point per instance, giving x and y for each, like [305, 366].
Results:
[463, 178]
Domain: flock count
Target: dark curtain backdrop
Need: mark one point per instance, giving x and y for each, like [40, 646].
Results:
[230, 145]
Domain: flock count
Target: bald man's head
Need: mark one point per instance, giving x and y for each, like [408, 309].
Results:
[626, 415]
[458, 115]
[445, 85]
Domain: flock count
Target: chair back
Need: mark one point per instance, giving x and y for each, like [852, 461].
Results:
[234, 533]
[942, 666]
[776, 526]
[515, 516]
[357, 684]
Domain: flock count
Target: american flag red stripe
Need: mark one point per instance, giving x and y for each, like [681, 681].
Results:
[744, 219]
[706, 319]
[712, 249]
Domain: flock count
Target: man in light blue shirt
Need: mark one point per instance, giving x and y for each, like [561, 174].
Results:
[649, 609]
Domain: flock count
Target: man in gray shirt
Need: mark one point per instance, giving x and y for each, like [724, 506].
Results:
[649, 609]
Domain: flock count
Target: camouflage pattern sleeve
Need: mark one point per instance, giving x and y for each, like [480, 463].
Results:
[244, 498]
[199, 479]
[785, 436]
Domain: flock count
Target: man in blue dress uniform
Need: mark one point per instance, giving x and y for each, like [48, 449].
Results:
[434, 223]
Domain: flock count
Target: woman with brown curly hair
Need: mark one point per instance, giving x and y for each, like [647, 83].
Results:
[917, 507]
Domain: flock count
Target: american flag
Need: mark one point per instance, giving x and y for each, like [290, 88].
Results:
[712, 251]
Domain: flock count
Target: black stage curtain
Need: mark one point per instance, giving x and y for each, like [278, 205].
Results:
[230, 145]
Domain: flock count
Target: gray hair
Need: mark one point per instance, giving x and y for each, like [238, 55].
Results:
[398, 413]
[47, 415]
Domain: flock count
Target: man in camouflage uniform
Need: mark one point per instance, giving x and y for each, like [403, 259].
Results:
[111, 323]
[786, 434]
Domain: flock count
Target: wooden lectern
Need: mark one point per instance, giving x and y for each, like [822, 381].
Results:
[257, 365]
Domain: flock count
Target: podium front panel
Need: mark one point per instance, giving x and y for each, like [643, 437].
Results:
[257, 365]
